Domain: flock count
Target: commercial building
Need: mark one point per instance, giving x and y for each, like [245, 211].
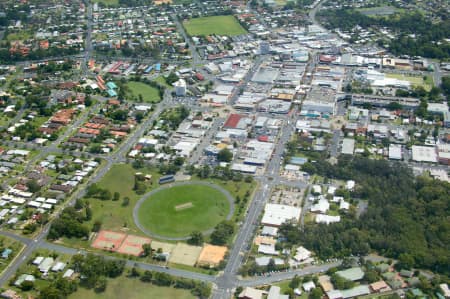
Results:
[276, 214]
[424, 154]
[348, 146]
[320, 99]
[395, 152]
[180, 88]
[384, 101]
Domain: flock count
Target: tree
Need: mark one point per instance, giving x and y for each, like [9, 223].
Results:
[371, 276]
[49, 292]
[33, 186]
[271, 265]
[100, 284]
[196, 238]
[162, 279]
[78, 204]
[222, 232]
[26, 285]
[88, 213]
[225, 155]
[294, 283]
[116, 196]
[316, 293]
[96, 226]
[394, 106]
[126, 201]
[105, 194]
[171, 78]
[147, 250]
[135, 271]
[147, 276]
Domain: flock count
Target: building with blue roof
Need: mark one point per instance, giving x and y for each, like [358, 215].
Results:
[111, 92]
[111, 85]
[6, 253]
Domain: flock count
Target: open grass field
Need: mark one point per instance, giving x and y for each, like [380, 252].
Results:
[207, 207]
[427, 84]
[108, 2]
[149, 94]
[113, 215]
[378, 11]
[123, 287]
[161, 81]
[220, 25]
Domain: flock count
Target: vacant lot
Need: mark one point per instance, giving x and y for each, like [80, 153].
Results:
[427, 84]
[108, 2]
[149, 94]
[123, 287]
[220, 25]
[159, 213]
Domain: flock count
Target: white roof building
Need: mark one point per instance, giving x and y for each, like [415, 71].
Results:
[395, 152]
[59, 266]
[276, 214]
[424, 154]
[251, 293]
[267, 249]
[348, 146]
[321, 207]
[308, 286]
[302, 254]
[327, 219]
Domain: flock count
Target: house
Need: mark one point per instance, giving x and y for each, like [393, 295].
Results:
[251, 293]
[379, 286]
[68, 273]
[59, 266]
[308, 286]
[22, 278]
[6, 253]
[302, 254]
[353, 274]
[46, 264]
[275, 293]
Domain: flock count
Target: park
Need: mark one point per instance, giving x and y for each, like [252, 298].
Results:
[219, 25]
[174, 212]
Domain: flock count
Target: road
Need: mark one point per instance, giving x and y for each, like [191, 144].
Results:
[196, 59]
[88, 42]
[199, 151]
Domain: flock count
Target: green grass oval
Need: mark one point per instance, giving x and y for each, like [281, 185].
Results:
[179, 210]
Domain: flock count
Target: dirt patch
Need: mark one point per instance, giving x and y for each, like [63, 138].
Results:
[184, 206]
[185, 254]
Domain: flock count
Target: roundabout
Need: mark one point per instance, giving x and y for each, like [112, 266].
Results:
[173, 212]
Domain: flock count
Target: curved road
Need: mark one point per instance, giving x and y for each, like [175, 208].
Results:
[147, 195]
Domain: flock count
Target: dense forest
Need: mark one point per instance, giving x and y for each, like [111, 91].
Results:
[407, 24]
[408, 218]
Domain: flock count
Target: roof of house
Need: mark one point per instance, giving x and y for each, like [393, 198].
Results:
[251, 293]
[355, 273]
